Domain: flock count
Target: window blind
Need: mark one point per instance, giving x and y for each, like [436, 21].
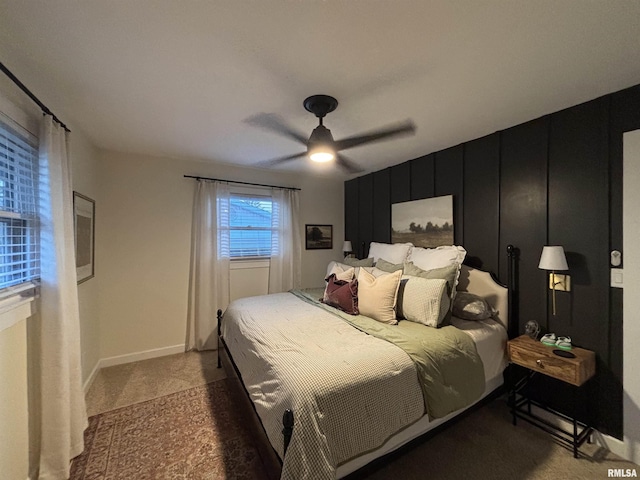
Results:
[250, 226]
[19, 249]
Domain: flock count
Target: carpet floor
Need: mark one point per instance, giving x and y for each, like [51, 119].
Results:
[201, 433]
[192, 434]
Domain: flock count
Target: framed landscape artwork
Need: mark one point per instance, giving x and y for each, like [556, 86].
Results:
[84, 210]
[318, 237]
[425, 223]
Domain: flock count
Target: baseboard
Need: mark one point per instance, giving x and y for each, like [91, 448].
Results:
[91, 377]
[612, 444]
[128, 358]
[137, 356]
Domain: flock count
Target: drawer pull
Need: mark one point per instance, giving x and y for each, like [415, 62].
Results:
[539, 362]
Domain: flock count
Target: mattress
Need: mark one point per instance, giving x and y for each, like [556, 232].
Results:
[490, 338]
[269, 361]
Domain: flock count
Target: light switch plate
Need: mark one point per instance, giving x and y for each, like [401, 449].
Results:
[617, 278]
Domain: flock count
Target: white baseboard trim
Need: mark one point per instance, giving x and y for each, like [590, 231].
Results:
[91, 377]
[612, 444]
[137, 356]
[616, 446]
[131, 357]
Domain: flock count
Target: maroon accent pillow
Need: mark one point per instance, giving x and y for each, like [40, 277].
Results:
[342, 294]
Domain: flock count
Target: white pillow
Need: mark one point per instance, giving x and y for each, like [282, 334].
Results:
[423, 300]
[391, 252]
[430, 258]
[341, 274]
[337, 268]
[377, 295]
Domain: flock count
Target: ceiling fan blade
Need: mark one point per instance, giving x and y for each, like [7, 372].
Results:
[347, 164]
[404, 128]
[271, 121]
[279, 160]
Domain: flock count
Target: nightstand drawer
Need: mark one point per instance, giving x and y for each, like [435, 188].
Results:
[535, 356]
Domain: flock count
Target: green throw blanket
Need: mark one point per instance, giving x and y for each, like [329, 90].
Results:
[450, 370]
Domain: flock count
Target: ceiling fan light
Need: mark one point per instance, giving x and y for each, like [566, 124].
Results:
[321, 155]
[320, 145]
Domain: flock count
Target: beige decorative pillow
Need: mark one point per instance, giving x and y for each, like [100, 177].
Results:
[376, 272]
[377, 295]
[423, 300]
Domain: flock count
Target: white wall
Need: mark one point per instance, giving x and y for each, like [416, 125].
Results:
[631, 308]
[14, 420]
[143, 244]
[84, 160]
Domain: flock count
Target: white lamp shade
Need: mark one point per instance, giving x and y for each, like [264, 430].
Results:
[346, 246]
[553, 258]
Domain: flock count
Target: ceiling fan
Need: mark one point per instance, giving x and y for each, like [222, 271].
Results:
[321, 147]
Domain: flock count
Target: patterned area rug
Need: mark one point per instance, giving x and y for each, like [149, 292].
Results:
[193, 434]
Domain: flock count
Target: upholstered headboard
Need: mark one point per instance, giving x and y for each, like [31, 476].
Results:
[483, 284]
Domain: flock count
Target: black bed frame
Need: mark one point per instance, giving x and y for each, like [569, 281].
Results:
[287, 416]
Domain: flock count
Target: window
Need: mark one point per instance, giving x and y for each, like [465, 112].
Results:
[19, 252]
[250, 226]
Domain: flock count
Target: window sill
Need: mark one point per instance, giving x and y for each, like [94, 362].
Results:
[239, 264]
[15, 309]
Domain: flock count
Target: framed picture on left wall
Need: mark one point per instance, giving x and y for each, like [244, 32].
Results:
[84, 214]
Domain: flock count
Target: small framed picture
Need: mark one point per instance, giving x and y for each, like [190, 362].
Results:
[84, 212]
[318, 237]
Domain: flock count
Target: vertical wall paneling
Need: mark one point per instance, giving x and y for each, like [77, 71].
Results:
[382, 206]
[578, 201]
[422, 177]
[351, 227]
[482, 202]
[578, 219]
[365, 213]
[401, 182]
[449, 178]
[553, 180]
[523, 212]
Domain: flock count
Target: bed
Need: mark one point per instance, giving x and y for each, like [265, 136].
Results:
[334, 391]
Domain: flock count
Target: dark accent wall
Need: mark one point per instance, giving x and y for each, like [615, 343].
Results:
[556, 180]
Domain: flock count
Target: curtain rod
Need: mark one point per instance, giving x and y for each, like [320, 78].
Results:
[22, 87]
[241, 183]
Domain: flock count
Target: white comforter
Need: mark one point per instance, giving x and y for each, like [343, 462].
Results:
[349, 391]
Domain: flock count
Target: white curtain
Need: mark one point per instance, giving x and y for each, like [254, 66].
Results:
[60, 414]
[209, 276]
[286, 255]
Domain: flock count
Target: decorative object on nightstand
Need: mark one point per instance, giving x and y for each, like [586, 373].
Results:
[537, 357]
[532, 329]
[553, 258]
[347, 249]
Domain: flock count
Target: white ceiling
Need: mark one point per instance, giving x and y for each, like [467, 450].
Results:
[180, 78]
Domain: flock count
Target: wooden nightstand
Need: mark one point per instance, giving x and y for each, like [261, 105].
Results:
[539, 358]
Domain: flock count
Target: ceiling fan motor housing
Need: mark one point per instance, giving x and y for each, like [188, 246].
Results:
[320, 105]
